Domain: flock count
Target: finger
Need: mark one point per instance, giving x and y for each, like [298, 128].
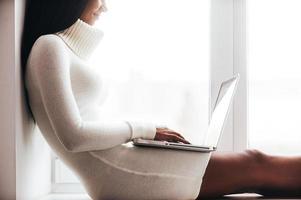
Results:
[163, 136]
[168, 137]
[169, 131]
[182, 140]
[185, 141]
[175, 138]
[178, 134]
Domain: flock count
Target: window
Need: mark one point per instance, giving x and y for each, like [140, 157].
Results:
[260, 39]
[274, 75]
[154, 58]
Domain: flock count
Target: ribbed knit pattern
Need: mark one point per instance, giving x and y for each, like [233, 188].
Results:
[82, 38]
[63, 93]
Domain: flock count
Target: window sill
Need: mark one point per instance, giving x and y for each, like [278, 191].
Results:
[66, 197]
[86, 197]
[251, 196]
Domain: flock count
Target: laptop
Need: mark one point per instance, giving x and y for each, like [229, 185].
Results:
[216, 126]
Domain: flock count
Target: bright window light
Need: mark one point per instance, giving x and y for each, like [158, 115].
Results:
[274, 75]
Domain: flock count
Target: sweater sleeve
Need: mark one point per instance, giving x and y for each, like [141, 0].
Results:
[51, 71]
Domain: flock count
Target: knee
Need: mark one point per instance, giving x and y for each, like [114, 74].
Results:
[258, 165]
[256, 157]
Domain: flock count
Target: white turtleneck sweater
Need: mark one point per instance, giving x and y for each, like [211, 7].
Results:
[64, 92]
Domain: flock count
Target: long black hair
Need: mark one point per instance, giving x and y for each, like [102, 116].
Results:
[46, 17]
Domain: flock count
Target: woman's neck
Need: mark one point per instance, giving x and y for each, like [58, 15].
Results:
[81, 38]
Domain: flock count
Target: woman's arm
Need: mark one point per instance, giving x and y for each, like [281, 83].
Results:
[50, 63]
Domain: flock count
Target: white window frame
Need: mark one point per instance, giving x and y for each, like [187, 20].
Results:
[63, 187]
[228, 57]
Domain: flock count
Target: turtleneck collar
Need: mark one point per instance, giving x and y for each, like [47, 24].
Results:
[82, 38]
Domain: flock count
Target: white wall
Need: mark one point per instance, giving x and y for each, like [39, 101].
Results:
[7, 147]
[33, 153]
[25, 156]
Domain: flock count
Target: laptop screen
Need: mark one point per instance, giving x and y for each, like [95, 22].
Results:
[220, 112]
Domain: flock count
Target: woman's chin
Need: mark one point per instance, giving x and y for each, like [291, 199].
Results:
[94, 20]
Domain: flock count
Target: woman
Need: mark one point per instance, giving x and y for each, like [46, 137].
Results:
[63, 92]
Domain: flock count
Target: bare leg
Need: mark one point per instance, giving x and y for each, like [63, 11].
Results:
[251, 171]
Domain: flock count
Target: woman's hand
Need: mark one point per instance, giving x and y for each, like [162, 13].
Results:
[169, 135]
